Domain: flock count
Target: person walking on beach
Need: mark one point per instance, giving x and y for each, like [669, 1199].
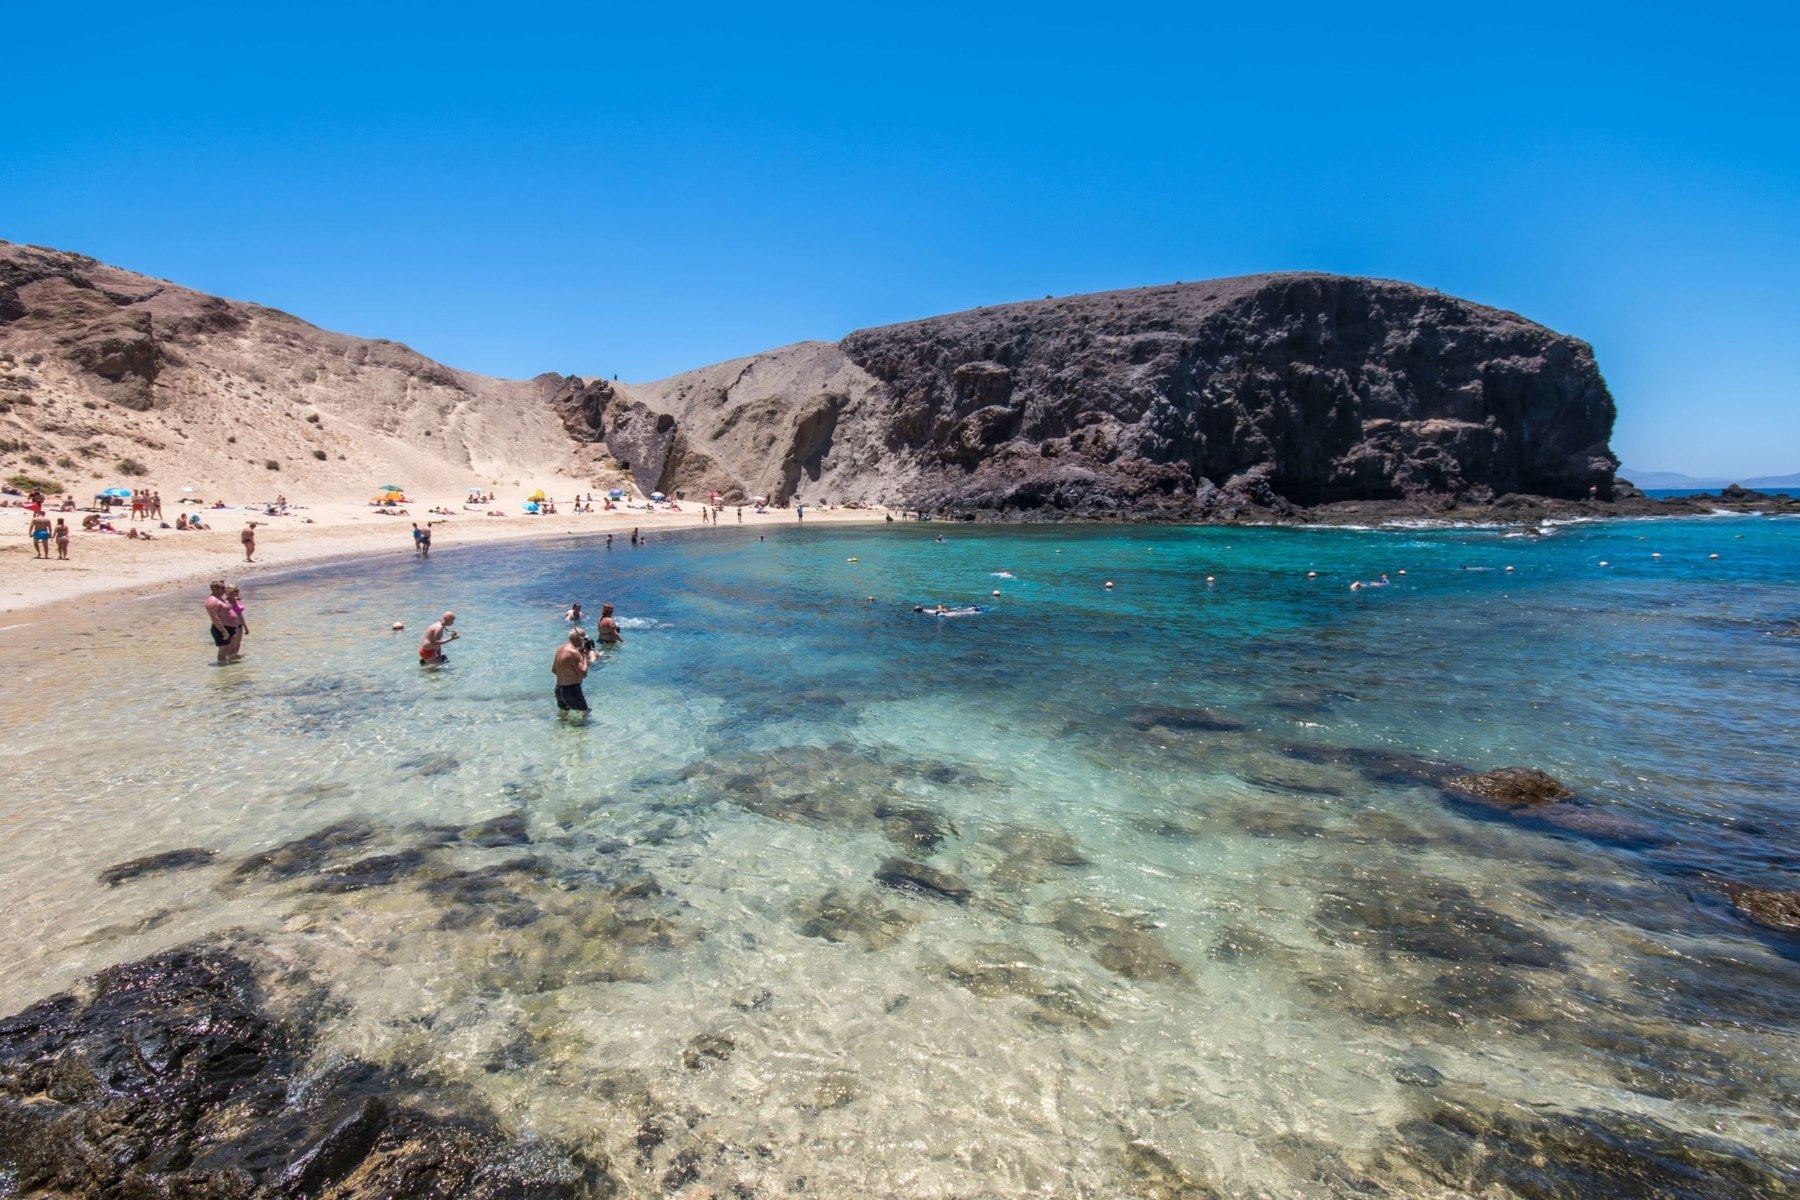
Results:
[425, 541]
[40, 534]
[418, 540]
[137, 506]
[607, 631]
[62, 539]
[156, 506]
[248, 537]
[570, 667]
[437, 635]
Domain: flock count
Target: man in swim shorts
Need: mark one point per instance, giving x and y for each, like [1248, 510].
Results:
[437, 634]
[40, 534]
[218, 612]
[570, 667]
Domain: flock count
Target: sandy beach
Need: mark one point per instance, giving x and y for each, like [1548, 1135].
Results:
[103, 565]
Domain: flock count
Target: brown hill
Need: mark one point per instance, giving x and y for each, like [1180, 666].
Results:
[1210, 399]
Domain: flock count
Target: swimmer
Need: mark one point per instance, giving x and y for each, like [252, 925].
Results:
[573, 616]
[437, 635]
[607, 631]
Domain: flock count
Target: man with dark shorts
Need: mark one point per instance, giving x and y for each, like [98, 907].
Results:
[570, 667]
[218, 611]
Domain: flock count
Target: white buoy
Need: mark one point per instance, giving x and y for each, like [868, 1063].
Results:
[1655, 554]
[1209, 579]
[1109, 583]
[1712, 556]
[1312, 574]
[1604, 563]
[399, 625]
[996, 591]
[1509, 568]
[1402, 570]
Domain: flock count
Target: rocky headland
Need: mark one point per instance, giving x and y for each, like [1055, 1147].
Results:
[1297, 397]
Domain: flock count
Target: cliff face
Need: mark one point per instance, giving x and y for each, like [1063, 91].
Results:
[1230, 398]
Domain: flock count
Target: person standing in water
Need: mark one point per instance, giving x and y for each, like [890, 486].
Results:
[437, 635]
[218, 613]
[607, 631]
[573, 616]
[570, 666]
[248, 537]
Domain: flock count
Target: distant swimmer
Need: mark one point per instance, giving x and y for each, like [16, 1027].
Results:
[573, 616]
[570, 666]
[438, 634]
[939, 610]
[607, 631]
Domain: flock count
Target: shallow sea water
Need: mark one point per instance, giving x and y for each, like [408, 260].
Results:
[1222, 931]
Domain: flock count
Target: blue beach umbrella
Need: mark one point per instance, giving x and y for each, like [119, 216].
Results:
[117, 493]
[531, 506]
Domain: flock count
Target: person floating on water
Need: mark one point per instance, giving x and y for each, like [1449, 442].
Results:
[570, 666]
[437, 635]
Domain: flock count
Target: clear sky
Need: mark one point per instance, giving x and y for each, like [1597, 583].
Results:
[641, 189]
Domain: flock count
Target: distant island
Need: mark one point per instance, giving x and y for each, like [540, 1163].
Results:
[1675, 479]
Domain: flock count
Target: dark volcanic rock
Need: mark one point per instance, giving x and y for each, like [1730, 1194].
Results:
[1511, 787]
[1299, 389]
[917, 877]
[155, 864]
[172, 1077]
[507, 830]
[305, 855]
[1769, 907]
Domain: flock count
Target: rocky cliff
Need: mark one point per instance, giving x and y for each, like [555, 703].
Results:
[1265, 392]
[1237, 398]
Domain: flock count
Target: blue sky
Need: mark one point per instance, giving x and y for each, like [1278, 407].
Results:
[640, 190]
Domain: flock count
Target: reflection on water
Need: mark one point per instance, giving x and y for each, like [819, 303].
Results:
[1154, 890]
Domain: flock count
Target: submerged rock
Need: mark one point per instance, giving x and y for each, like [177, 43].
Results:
[706, 1049]
[1772, 908]
[308, 854]
[1180, 720]
[173, 1077]
[1155, 1176]
[1127, 945]
[506, 830]
[1433, 918]
[910, 876]
[377, 870]
[841, 915]
[997, 969]
[1584, 1154]
[156, 864]
[1510, 787]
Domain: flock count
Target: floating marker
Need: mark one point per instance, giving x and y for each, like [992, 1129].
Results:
[399, 625]
[1509, 568]
[1712, 556]
[1604, 563]
[996, 591]
[1402, 570]
[1312, 574]
[1209, 579]
[1655, 554]
[1109, 583]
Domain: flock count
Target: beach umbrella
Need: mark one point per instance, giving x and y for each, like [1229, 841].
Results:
[474, 491]
[531, 506]
[657, 496]
[117, 493]
[537, 495]
[759, 499]
[617, 494]
[390, 487]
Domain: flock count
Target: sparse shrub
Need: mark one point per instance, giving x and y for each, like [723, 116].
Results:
[90, 404]
[37, 460]
[232, 440]
[65, 462]
[27, 482]
[271, 464]
[131, 466]
[313, 417]
[320, 455]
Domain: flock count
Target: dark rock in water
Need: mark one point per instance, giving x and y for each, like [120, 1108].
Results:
[1396, 768]
[155, 864]
[1510, 787]
[506, 830]
[1180, 720]
[1772, 908]
[706, 1049]
[996, 969]
[1155, 1176]
[1584, 1155]
[303, 856]
[917, 877]
[378, 870]
[840, 915]
[1119, 942]
[1421, 1075]
[172, 1077]
[913, 828]
[1435, 919]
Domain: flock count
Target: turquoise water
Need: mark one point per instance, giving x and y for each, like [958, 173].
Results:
[1219, 920]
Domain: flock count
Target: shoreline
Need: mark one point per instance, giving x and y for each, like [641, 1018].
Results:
[109, 568]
